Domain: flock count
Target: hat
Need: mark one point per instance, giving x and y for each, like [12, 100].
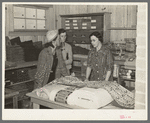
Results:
[51, 35]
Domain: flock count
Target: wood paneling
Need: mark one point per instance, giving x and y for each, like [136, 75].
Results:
[122, 16]
[132, 15]
[50, 20]
[9, 18]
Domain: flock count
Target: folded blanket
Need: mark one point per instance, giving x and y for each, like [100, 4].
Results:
[89, 98]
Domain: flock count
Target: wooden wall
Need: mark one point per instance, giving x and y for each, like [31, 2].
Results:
[122, 16]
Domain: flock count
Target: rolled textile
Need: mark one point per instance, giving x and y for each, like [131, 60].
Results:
[50, 91]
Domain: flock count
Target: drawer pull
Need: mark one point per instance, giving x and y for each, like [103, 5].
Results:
[82, 41]
[74, 41]
[74, 35]
[82, 35]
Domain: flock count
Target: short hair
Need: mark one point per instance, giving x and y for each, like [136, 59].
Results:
[98, 35]
[61, 31]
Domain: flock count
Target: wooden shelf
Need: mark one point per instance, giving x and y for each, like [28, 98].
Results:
[23, 65]
[127, 79]
[21, 82]
[122, 28]
[29, 18]
[26, 32]
[85, 14]
[38, 6]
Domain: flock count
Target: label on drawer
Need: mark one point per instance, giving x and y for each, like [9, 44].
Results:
[84, 27]
[84, 24]
[67, 21]
[75, 27]
[93, 21]
[67, 24]
[93, 27]
[74, 20]
[74, 24]
[67, 27]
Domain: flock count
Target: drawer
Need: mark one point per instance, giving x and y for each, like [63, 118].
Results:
[86, 24]
[97, 21]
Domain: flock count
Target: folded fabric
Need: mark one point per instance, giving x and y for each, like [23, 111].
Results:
[89, 98]
[50, 91]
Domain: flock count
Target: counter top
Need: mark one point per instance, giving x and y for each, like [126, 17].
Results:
[75, 56]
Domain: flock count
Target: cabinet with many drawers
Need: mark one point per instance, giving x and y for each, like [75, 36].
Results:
[80, 26]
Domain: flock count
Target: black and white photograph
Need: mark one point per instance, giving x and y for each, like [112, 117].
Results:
[74, 61]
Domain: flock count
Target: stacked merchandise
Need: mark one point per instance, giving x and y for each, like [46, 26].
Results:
[23, 51]
[129, 77]
[31, 50]
[130, 44]
[118, 50]
[127, 74]
[15, 53]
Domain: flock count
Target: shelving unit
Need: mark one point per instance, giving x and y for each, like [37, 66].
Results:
[22, 86]
[26, 18]
[123, 79]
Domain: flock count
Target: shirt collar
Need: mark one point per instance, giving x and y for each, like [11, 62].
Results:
[101, 49]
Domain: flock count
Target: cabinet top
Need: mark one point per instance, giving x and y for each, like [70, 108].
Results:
[38, 6]
[85, 14]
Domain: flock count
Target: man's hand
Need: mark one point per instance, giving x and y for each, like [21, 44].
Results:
[86, 80]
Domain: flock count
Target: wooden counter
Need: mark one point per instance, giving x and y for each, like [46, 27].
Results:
[23, 65]
[37, 101]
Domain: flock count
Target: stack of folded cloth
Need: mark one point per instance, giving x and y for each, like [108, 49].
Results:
[26, 51]
[14, 53]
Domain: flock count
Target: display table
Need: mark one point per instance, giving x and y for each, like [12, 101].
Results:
[37, 101]
[9, 93]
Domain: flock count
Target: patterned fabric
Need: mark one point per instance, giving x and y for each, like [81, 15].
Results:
[44, 66]
[100, 61]
[121, 95]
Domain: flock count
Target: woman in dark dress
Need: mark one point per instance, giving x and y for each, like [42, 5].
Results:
[100, 60]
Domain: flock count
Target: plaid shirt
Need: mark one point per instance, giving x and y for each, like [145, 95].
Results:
[100, 61]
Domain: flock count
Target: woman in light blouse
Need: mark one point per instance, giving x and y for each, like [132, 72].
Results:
[66, 49]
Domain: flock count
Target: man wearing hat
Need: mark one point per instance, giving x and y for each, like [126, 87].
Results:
[50, 59]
